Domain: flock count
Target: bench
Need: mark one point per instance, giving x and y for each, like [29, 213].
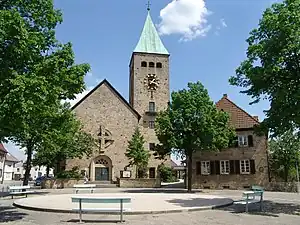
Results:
[251, 197]
[100, 200]
[19, 190]
[84, 187]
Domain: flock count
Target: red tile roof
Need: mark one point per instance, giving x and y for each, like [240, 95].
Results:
[239, 118]
[2, 148]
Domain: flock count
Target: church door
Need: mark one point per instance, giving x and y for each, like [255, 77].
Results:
[101, 174]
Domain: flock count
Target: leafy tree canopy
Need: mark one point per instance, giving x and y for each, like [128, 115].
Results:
[285, 152]
[192, 123]
[272, 67]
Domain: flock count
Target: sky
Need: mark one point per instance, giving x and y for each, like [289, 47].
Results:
[205, 39]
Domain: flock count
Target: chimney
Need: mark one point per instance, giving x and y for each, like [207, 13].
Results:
[256, 118]
[224, 95]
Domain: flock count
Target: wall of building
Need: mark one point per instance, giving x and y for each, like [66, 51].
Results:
[234, 180]
[35, 172]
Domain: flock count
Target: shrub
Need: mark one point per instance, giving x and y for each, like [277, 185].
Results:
[74, 173]
[167, 174]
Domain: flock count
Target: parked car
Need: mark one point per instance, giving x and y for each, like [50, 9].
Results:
[39, 180]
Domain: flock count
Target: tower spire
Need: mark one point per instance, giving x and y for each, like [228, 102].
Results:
[148, 5]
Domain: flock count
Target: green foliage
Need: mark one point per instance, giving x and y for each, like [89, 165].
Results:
[272, 67]
[65, 140]
[284, 154]
[136, 152]
[36, 72]
[192, 123]
[74, 173]
[166, 174]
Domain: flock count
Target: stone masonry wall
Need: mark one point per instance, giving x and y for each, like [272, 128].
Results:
[139, 183]
[104, 107]
[235, 181]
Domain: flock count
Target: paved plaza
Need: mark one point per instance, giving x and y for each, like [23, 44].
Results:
[279, 208]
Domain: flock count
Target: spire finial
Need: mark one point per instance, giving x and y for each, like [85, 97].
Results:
[148, 5]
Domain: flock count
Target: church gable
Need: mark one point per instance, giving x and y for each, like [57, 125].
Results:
[116, 94]
[238, 117]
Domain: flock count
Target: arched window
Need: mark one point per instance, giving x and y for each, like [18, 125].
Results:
[144, 64]
[158, 65]
[151, 64]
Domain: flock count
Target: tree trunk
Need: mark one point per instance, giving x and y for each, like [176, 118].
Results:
[47, 171]
[28, 164]
[286, 173]
[190, 171]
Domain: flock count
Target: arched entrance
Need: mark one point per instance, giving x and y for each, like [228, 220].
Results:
[101, 168]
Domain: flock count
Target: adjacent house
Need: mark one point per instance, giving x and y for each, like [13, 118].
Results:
[35, 171]
[10, 162]
[3, 153]
[237, 167]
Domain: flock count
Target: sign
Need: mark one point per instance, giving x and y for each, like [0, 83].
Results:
[125, 174]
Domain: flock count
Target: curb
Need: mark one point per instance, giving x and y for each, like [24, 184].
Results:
[125, 213]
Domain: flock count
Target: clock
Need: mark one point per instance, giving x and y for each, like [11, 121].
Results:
[151, 82]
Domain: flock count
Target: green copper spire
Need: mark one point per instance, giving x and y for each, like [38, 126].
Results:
[150, 41]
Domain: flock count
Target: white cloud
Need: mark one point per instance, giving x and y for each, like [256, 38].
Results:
[89, 74]
[223, 23]
[184, 17]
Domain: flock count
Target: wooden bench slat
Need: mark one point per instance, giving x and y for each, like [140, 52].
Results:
[107, 200]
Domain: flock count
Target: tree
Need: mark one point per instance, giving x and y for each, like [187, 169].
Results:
[136, 152]
[36, 72]
[284, 151]
[272, 68]
[65, 140]
[192, 123]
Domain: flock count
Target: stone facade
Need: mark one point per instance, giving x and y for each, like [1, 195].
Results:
[237, 167]
[139, 183]
[110, 118]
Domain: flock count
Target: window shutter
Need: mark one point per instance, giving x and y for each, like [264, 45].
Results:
[217, 167]
[231, 165]
[237, 166]
[198, 168]
[236, 143]
[250, 141]
[212, 168]
[252, 166]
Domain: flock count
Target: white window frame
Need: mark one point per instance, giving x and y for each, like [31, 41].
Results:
[245, 167]
[243, 140]
[224, 167]
[205, 167]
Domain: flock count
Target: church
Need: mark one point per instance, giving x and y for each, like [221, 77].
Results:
[112, 120]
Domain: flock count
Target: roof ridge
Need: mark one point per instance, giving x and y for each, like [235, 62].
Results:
[104, 81]
[239, 108]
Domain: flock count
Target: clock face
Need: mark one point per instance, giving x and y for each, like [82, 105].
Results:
[151, 81]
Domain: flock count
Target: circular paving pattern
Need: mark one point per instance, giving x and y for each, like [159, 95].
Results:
[141, 203]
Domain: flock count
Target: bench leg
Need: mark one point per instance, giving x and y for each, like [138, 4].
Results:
[80, 211]
[261, 202]
[121, 210]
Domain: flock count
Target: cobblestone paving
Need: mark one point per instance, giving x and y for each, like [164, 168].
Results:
[279, 208]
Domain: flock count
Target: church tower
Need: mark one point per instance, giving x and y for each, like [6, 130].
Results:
[149, 79]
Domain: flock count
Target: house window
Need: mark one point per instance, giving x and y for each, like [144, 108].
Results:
[151, 106]
[224, 167]
[144, 64]
[205, 167]
[245, 166]
[158, 65]
[242, 141]
[151, 124]
[151, 64]
[152, 172]
[151, 146]
[18, 169]
[0, 172]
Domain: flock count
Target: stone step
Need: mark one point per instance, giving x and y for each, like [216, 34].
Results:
[103, 184]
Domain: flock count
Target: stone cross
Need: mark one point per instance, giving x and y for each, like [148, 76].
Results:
[105, 138]
[148, 6]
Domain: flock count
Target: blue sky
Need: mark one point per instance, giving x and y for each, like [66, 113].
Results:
[206, 40]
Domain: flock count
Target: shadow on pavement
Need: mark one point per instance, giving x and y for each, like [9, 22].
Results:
[198, 202]
[92, 221]
[161, 190]
[270, 208]
[8, 213]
